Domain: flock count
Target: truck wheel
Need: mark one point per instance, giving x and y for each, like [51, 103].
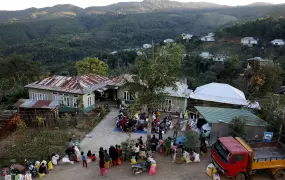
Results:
[240, 176]
[280, 175]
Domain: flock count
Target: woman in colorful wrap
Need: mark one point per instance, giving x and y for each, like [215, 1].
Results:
[179, 155]
[102, 167]
[107, 159]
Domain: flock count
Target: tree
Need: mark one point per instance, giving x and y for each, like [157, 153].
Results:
[237, 126]
[263, 79]
[155, 72]
[192, 139]
[90, 66]
[15, 72]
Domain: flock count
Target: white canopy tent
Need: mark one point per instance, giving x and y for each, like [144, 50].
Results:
[219, 92]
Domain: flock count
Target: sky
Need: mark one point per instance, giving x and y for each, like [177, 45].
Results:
[24, 4]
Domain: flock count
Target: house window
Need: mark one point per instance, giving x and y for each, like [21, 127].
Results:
[89, 100]
[126, 95]
[39, 96]
[34, 96]
[66, 100]
[75, 101]
[56, 97]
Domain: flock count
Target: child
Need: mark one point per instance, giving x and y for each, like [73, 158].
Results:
[84, 160]
[93, 157]
[107, 159]
[89, 154]
[102, 167]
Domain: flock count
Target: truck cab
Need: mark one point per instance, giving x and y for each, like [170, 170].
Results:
[230, 157]
[235, 158]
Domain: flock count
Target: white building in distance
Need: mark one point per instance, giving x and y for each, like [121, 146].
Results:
[147, 46]
[249, 41]
[209, 38]
[168, 41]
[206, 55]
[187, 36]
[278, 42]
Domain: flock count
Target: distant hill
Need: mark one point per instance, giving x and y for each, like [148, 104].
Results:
[68, 33]
[151, 6]
[57, 11]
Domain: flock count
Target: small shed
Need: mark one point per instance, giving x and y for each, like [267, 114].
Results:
[30, 109]
[219, 119]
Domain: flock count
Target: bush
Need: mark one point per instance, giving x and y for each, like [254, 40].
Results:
[192, 140]
[38, 146]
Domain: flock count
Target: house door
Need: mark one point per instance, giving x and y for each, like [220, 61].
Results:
[168, 105]
[126, 95]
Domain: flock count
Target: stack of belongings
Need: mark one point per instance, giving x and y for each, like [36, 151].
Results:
[191, 157]
[212, 172]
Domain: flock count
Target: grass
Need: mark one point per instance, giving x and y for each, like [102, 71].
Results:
[37, 145]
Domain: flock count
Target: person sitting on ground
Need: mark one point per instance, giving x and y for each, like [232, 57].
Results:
[153, 143]
[93, 157]
[192, 155]
[140, 141]
[89, 154]
[43, 169]
[142, 153]
[137, 151]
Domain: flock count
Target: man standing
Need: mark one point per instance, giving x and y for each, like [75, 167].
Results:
[176, 128]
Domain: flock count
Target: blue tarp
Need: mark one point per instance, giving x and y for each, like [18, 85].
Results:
[180, 139]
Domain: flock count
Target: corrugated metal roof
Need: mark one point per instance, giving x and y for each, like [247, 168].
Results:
[77, 84]
[225, 115]
[38, 104]
[181, 91]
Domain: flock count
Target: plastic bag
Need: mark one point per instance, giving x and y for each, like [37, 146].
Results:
[216, 176]
[152, 170]
[54, 159]
[196, 157]
[8, 177]
[41, 175]
[28, 177]
[50, 166]
[209, 170]
[21, 177]
[133, 161]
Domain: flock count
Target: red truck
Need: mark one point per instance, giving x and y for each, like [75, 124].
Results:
[235, 158]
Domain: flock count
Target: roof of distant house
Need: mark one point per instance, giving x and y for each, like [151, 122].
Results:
[258, 59]
[251, 38]
[37, 104]
[181, 91]
[77, 84]
[278, 40]
[225, 115]
[219, 92]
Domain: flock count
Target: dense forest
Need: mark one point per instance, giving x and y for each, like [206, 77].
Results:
[59, 36]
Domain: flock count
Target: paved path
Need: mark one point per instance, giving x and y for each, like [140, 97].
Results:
[103, 135]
